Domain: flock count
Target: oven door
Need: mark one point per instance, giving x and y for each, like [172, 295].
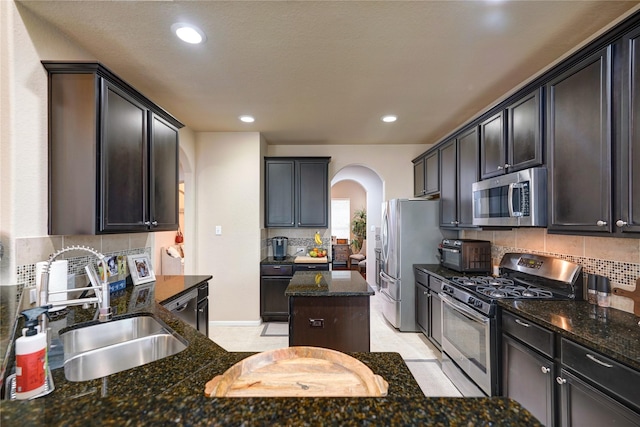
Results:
[467, 342]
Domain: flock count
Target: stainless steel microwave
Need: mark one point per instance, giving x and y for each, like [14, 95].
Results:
[518, 199]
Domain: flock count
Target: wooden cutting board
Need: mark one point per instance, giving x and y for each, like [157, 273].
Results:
[310, 260]
[634, 295]
[298, 372]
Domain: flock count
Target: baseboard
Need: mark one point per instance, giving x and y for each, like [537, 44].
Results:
[235, 322]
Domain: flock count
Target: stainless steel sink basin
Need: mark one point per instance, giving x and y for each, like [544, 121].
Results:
[103, 349]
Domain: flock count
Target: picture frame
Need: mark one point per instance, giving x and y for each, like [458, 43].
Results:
[140, 268]
[141, 297]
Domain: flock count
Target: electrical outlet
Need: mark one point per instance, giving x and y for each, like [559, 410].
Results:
[298, 250]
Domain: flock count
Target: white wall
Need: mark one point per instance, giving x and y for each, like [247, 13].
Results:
[391, 162]
[25, 40]
[228, 194]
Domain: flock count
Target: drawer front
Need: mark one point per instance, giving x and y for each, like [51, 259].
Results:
[311, 267]
[528, 332]
[613, 376]
[276, 270]
[421, 277]
[435, 284]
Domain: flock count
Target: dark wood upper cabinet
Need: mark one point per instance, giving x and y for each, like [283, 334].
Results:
[297, 192]
[426, 176]
[579, 146]
[493, 147]
[511, 140]
[113, 155]
[524, 132]
[458, 171]
[628, 159]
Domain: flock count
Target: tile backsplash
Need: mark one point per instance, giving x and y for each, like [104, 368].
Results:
[616, 258]
[30, 251]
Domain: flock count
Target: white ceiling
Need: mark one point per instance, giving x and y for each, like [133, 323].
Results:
[324, 72]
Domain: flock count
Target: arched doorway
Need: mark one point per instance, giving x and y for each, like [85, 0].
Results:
[374, 188]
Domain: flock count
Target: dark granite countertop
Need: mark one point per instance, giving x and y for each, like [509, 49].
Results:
[614, 333]
[340, 283]
[438, 270]
[271, 260]
[168, 288]
[171, 391]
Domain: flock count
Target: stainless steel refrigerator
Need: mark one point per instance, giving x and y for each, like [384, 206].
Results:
[410, 235]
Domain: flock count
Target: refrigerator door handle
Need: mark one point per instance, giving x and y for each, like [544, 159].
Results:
[385, 276]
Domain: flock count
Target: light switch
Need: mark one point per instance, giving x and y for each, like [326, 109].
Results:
[218, 230]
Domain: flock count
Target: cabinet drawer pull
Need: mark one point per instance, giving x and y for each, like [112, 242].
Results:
[599, 362]
[545, 370]
[560, 380]
[521, 323]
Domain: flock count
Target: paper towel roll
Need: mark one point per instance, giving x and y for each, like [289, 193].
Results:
[57, 281]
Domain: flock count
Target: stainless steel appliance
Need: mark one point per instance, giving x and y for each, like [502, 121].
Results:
[469, 328]
[466, 255]
[410, 235]
[516, 199]
[279, 245]
[193, 308]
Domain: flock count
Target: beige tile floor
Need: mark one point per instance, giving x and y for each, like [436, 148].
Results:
[419, 354]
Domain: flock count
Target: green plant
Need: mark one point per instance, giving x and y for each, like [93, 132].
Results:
[359, 228]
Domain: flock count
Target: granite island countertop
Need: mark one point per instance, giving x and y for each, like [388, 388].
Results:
[339, 283]
[171, 391]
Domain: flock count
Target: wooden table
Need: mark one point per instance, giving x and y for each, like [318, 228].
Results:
[329, 309]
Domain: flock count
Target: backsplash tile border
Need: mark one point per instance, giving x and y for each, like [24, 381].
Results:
[26, 274]
[620, 274]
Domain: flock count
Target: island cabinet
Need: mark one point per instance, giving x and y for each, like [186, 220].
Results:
[113, 155]
[563, 383]
[458, 171]
[511, 140]
[297, 192]
[426, 177]
[329, 309]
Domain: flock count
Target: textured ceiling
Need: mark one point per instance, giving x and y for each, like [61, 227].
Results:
[324, 72]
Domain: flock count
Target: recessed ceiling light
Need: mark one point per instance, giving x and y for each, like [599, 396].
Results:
[189, 33]
[247, 119]
[389, 119]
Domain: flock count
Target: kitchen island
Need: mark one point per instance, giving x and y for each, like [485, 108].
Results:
[329, 309]
[171, 391]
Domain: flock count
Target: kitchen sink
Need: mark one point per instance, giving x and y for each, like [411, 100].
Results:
[102, 349]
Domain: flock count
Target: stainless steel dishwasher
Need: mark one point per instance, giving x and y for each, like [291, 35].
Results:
[193, 308]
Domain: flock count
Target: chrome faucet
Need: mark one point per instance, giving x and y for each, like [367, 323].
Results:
[101, 291]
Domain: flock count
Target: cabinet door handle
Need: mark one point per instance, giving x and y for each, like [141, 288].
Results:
[545, 370]
[507, 165]
[601, 223]
[620, 223]
[147, 223]
[521, 323]
[560, 380]
[599, 362]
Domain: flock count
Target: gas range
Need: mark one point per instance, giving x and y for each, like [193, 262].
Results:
[470, 344]
[522, 276]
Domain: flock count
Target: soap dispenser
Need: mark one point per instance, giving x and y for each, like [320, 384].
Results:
[31, 356]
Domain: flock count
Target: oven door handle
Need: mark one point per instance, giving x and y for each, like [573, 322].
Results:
[463, 309]
[455, 251]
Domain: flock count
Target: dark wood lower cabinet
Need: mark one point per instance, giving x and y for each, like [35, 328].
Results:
[582, 405]
[338, 323]
[527, 378]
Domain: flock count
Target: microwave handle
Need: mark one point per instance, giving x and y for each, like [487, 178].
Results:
[510, 199]
[455, 251]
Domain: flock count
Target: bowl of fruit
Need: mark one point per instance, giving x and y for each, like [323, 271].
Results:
[317, 252]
